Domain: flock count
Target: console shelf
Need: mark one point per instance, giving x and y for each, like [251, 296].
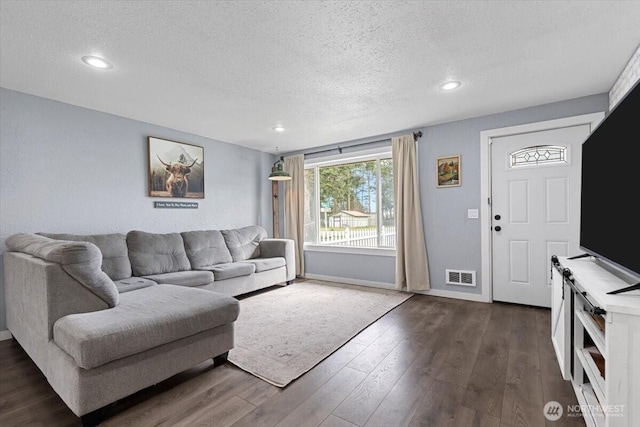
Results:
[593, 330]
[591, 370]
[597, 340]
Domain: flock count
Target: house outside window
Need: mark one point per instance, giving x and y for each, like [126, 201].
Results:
[349, 202]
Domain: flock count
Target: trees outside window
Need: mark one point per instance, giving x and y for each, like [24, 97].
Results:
[350, 203]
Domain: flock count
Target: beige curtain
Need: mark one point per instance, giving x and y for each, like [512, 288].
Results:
[412, 269]
[294, 207]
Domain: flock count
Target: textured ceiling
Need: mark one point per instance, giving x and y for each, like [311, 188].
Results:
[328, 71]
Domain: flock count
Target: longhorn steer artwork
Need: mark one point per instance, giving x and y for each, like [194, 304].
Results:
[176, 169]
[177, 182]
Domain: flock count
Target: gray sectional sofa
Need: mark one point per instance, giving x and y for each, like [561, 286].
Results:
[104, 316]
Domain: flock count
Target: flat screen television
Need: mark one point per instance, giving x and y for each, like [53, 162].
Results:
[610, 189]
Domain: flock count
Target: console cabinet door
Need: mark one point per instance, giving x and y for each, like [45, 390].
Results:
[561, 322]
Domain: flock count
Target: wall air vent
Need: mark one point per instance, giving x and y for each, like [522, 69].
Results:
[460, 278]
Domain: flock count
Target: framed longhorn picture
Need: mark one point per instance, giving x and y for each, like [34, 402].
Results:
[176, 169]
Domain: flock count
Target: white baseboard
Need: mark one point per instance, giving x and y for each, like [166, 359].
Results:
[5, 335]
[350, 281]
[432, 292]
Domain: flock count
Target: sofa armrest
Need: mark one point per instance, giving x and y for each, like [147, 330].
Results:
[285, 248]
[45, 280]
[80, 260]
[37, 294]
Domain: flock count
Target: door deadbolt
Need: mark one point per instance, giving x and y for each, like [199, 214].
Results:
[497, 217]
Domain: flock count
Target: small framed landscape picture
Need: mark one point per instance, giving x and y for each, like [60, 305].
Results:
[448, 171]
[176, 169]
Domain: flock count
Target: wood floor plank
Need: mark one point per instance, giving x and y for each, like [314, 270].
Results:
[377, 350]
[278, 406]
[423, 326]
[523, 399]
[524, 332]
[469, 338]
[501, 319]
[209, 400]
[545, 346]
[174, 397]
[543, 321]
[259, 393]
[363, 401]
[439, 405]
[402, 401]
[555, 388]
[373, 331]
[221, 414]
[50, 412]
[485, 390]
[457, 367]
[333, 421]
[314, 410]
[23, 392]
[467, 417]
[450, 360]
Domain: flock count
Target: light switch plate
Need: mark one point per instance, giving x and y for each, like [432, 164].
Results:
[472, 213]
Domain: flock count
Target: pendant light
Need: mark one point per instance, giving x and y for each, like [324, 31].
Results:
[277, 171]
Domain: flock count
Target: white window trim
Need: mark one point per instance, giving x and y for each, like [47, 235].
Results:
[338, 159]
[355, 250]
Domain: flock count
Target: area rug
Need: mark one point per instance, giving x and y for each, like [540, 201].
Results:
[283, 333]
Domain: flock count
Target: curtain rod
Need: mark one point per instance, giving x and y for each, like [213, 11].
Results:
[416, 135]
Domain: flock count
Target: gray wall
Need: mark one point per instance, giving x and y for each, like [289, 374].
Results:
[70, 169]
[453, 241]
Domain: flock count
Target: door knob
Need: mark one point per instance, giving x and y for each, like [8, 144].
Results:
[497, 217]
[497, 228]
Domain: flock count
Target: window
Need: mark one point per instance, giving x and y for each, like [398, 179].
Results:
[537, 155]
[350, 202]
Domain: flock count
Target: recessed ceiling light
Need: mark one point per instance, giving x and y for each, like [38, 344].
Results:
[278, 128]
[451, 85]
[96, 62]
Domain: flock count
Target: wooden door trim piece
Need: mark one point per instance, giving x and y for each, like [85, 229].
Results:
[486, 138]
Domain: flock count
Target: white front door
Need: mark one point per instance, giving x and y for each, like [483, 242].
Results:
[535, 208]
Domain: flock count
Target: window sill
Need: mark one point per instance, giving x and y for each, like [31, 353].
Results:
[351, 250]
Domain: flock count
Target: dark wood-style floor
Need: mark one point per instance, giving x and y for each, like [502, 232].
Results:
[429, 362]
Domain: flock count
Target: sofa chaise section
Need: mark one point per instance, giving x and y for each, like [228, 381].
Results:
[141, 321]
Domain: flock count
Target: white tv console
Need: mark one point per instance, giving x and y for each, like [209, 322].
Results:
[596, 337]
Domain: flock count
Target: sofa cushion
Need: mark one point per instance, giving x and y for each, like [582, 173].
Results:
[183, 278]
[156, 253]
[80, 260]
[243, 243]
[266, 264]
[133, 283]
[231, 270]
[115, 256]
[144, 319]
[205, 248]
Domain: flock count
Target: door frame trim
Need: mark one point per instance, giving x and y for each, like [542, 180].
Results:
[486, 137]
